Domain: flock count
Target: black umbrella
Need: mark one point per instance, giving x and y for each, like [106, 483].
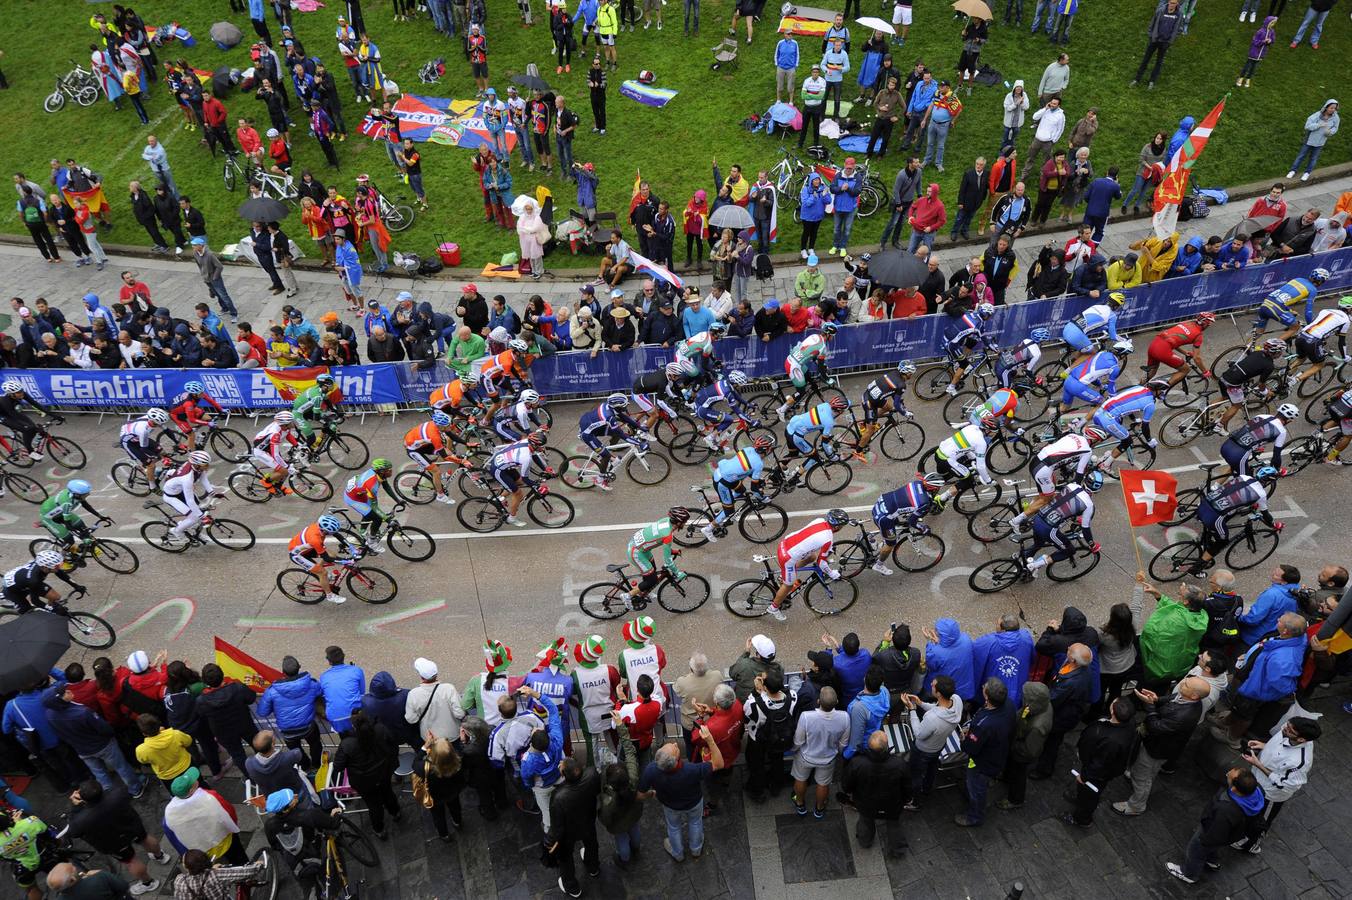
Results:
[223, 81]
[29, 646]
[1249, 227]
[898, 269]
[263, 209]
[531, 82]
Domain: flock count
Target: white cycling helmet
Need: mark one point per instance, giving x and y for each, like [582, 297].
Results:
[470, 378]
[737, 377]
[49, 559]
[985, 310]
[199, 458]
[617, 401]
[285, 417]
[675, 370]
[10, 386]
[157, 415]
[1288, 411]
[530, 396]
[518, 345]
[1124, 347]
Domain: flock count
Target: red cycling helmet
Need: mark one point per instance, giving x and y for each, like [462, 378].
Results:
[838, 404]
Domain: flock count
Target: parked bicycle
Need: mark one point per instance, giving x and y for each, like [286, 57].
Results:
[85, 628]
[760, 521]
[750, 598]
[112, 555]
[229, 534]
[544, 507]
[79, 84]
[605, 599]
[367, 583]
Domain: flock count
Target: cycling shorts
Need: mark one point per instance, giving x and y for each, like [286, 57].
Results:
[646, 404]
[1044, 475]
[1074, 389]
[953, 467]
[1212, 520]
[795, 372]
[306, 558]
[1311, 348]
[269, 461]
[726, 491]
[964, 346]
[138, 453]
[1111, 424]
[802, 443]
[360, 506]
[887, 524]
[1047, 535]
[507, 430]
[1233, 392]
[1345, 426]
[1162, 352]
[1074, 335]
[423, 459]
[1237, 457]
[643, 560]
[788, 566]
[1267, 312]
[508, 478]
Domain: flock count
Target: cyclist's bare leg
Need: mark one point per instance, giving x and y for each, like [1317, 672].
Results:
[780, 594]
[514, 501]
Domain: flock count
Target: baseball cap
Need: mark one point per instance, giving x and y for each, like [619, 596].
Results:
[199, 241]
[182, 785]
[812, 259]
[470, 289]
[588, 289]
[402, 296]
[764, 647]
[280, 800]
[273, 132]
[425, 668]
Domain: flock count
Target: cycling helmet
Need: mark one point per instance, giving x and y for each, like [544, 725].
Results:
[985, 310]
[1319, 276]
[330, 524]
[617, 401]
[1265, 472]
[381, 464]
[1040, 334]
[839, 404]
[1117, 298]
[285, 417]
[1206, 318]
[1345, 302]
[79, 487]
[830, 328]
[324, 379]
[906, 367]
[1274, 346]
[718, 328]
[194, 387]
[678, 515]
[932, 481]
[199, 458]
[737, 377]
[1124, 347]
[470, 378]
[763, 443]
[157, 415]
[11, 386]
[675, 370]
[990, 423]
[536, 440]
[517, 345]
[1093, 481]
[1075, 425]
[1288, 411]
[836, 518]
[49, 559]
[1094, 434]
[530, 396]
[440, 419]
[1158, 385]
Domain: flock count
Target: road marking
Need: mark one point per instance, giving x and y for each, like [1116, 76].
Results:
[277, 624]
[372, 627]
[184, 606]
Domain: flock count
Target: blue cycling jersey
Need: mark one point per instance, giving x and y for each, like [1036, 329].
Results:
[818, 418]
[1098, 367]
[911, 498]
[721, 391]
[1138, 400]
[738, 466]
[1095, 318]
[603, 418]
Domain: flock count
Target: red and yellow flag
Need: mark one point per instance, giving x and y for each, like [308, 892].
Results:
[294, 381]
[804, 26]
[242, 667]
[1174, 186]
[93, 198]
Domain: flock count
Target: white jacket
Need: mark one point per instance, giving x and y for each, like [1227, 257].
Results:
[444, 712]
[1050, 124]
[1288, 768]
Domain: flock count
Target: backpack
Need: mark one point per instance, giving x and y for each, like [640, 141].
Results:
[776, 732]
[430, 265]
[31, 214]
[765, 270]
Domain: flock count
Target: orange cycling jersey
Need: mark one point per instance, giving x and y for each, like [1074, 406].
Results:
[425, 435]
[1182, 334]
[448, 395]
[504, 364]
[312, 538]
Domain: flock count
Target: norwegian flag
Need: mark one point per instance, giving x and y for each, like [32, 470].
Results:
[1151, 496]
[1173, 188]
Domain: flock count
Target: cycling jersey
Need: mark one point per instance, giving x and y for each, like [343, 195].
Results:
[1340, 407]
[363, 488]
[513, 421]
[449, 396]
[1163, 347]
[273, 444]
[135, 439]
[425, 438]
[10, 406]
[654, 390]
[1280, 302]
[809, 545]
[1073, 502]
[911, 501]
[968, 444]
[1071, 450]
[1255, 365]
[184, 481]
[509, 465]
[1237, 494]
[58, 513]
[26, 586]
[819, 419]
[193, 412]
[881, 389]
[999, 404]
[1098, 368]
[1327, 323]
[1023, 356]
[1238, 448]
[603, 420]
[813, 347]
[311, 540]
[503, 365]
[733, 469]
[708, 398]
[963, 332]
[315, 400]
[1098, 317]
[1138, 401]
[700, 345]
[649, 540]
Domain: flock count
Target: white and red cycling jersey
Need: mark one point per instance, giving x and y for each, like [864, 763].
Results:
[809, 545]
[272, 445]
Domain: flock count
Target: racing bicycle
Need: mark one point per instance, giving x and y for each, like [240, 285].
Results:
[760, 521]
[1248, 545]
[367, 583]
[21, 486]
[1190, 499]
[406, 541]
[1032, 391]
[917, 550]
[343, 448]
[932, 381]
[1310, 449]
[131, 475]
[63, 451]
[998, 574]
[545, 508]
[641, 463]
[897, 435]
[750, 598]
[112, 555]
[826, 471]
[247, 482]
[85, 628]
[223, 441]
[605, 600]
[230, 534]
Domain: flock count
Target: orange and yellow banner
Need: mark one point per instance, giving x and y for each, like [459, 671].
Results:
[800, 25]
[93, 198]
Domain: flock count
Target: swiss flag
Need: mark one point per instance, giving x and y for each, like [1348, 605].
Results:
[1151, 496]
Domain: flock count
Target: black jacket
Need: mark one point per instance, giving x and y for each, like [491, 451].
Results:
[1223, 822]
[973, 190]
[473, 312]
[166, 209]
[1295, 234]
[108, 825]
[660, 329]
[999, 212]
[879, 784]
[1168, 726]
[1105, 751]
[572, 807]
[195, 222]
[988, 738]
[1052, 281]
[388, 350]
[374, 762]
[143, 207]
[1218, 606]
[226, 710]
[898, 665]
[1074, 629]
[1070, 697]
[998, 268]
[620, 333]
[771, 322]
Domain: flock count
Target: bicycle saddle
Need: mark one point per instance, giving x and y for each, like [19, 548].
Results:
[614, 567]
[759, 558]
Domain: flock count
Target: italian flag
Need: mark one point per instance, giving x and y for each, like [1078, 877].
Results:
[1173, 188]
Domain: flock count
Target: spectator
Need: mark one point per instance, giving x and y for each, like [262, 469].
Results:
[618, 331]
[1091, 278]
[1118, 660]
[1165, 25]
[1278, 598]
[939, 119]
[820, 736]
[930, 734]
[867, 711]
[1319, 127]
[876, 781]
[927, 216]
[1315, 14]
[1270, 672]
[1051, 124]
[1071, 695]
[225, 709]
[573, 809]
[678, 788]
[1051, 182]
[972, 194]
[1007, 654]
[1282, 766]
[1010, 214]
[1104, 749]
[1098, 202]
[106, 820]
[291, 701]
[433, 706]
[845, 188]
[211, 271]
[1293, 236]
[342, 686]
[1016, 110]
[1153, 158]
[165, 750]
[1125, 272]
[948, 651]
[1234, 814]
[897, 658]
[1168, 725]
[850, 662]
[920, 96]
[695, 688]
[1032, 725]
[274, 767]
[987, 747]
[770, 734]
[808, 287]
[770, 322]
[1263, 38]
[905, 189]
[383, 346]
[1171, 634]
[997, 264]
[369, 754]
[201, 819]
[64, 880]
[695, 319]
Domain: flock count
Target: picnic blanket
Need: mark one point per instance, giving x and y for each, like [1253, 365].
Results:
[493, 270]
[646, 94]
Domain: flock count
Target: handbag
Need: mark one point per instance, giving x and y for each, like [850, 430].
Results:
[421, 792]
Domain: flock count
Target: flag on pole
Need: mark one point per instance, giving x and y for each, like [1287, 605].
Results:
[752, 232]
[1174, 186]
[296, 380]
[646, 266]
[1151, 496]
[242, 667]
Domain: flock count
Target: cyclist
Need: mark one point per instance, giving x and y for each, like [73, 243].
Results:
[1053, 464]
[58, 513]
[698, 350]
[811, 350]
[505, 373]
[1073, 504]
[26, 843]
[180, 492]
[192, 411]
[813, 541]
[1137, 401]
[308, 551]
[514, 421]
[13, 399]
[426, 446]
[26, 586]
[1091, 379]
[1237, 494]
[723, 388]
[967, 445]
[1311, 343]
[884, 391]
[272, 451]
[463, 396]
[808, 430]
[907, 505]
[656, 537]
[136, 440]
[314, 406]
[1255, 365]
[655, 391]
[1340, 412]
[362, 495]
[1185, 336]
[609, 420]
[1239, 447]
[1000, 405]
[1281, 302]
[963, 337]
[510, 467]
[729, 475]
[1079, 332]
[1020, 360]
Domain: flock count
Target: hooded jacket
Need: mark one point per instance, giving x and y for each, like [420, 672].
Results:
[187, 347]
[27, 714]
[879, 783]
[1071, 694]
[1189, 258]
[291, 701]
[850, 672]
[1033, 723]
[226, 709]
[813, 199]
[1267, 608]
[1075, 629]
[1015, 107]
[1230, 817]
[951, 656]
[1263, 38]
[278, 771]
[372, 762]
[867, 712]
[545, 765]
[928, 212]
[744, 670]
[1185, 126]
[1090, 277]
[1105, 750]
[1319, 129]
[342, 687]
[385, 702]
[79, 726]
[1007, 655]
[1170, 637]
[1274, 668]
[96, 310]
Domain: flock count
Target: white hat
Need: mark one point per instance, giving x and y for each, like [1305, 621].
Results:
[138, 662]
[764, 647]
[426, 669]
[273, 132]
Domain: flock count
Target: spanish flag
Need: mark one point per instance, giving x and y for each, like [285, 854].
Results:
[804, 26]
[93, 198]
[242, 667]
[293, 382]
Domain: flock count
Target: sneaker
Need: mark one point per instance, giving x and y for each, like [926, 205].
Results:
[711, 442]
[144, 887]
[1305, 177]
[782, 412]
[778, 614]
[373, 545]
[818, 813]
[1242, 15]
[1176, 870]
[802, 254]
[605, 484]
[36, 457]
[1253, 17]
[799, 806]
[513, 520]
[335, 599]
[162, 859]
[1291, 174]
[446, 498]
[1006, 805]
[951, 390]
[708, 532]
[666, 844]
[880, 568]
[576, 893]
[1123, 810]
[911, 806]
[1294, 45]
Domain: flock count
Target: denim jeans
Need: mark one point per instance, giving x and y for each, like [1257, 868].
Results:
[923, 769]
[844, 225]
[1009, 135]
[1043, 6]
[896, 225]
[1198, 856]
[441, 16]
[523, 141]
[565, 146]
[936, 136]
[1311, 17]
[961, 220]
[626, 842]
[1140, 190]
[111, 758]
[917, 238]
[1250, 6]
[977, 785]
[500, 143]
[1061, 31]
[1310, 155]
[1014, 10]
[223, 297]
[678, 820]
[691, 7]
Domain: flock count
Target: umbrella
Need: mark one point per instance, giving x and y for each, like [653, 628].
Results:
[223, 80]
[876, 24]
[263, 209]
[786, 114]
[974, 8]
[731, 216]
[531, 82]
[29, 646]
[226, 34]
[897, 268]
[1249, 227]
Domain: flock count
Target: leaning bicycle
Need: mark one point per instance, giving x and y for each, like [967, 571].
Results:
[367, 583]
[228, 534]
[112, 555]
[85, 628]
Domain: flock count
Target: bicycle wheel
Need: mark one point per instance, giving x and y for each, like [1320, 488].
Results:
[581, 473]
[356, 844]
[692, 535]
[156, 534]
[88, 630]
[1033, 400]
[649, 469]
[480, 514]
[750, 597]
[228, 444]
[1188, 501]
[958, 407]
[918, 552]
[25, 488]
[86, 96]
[413, 485]
[371, 585]
[549, 460]
[901, 440]
[748, 438]
[831, 598]
[264, 885]
[1007, 455]
[1174, 561]
[1181, 428]
[347, 451]
[300, 585]
[1228, 357]
[762, 524]
[1137, 456]
[1186, 392]
[602, 601]
[686, 595]
[1304, 452]
[1252, 547]
[931, 381]
[246, 484]
[550, 510]
[399, 218]
[992, 524]
[1079, 565]
[131, 478]
[688, 448]
[228, 174]
[54, 101]
[115, 556]
[829, 478]
[851, 557]
[65, 452]
[311, 486]
[230, 534]
[824, 393]
[37, 545]
[994, 576]
[869, 201]
[470, 486]
[980, 498]
[410, 543]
